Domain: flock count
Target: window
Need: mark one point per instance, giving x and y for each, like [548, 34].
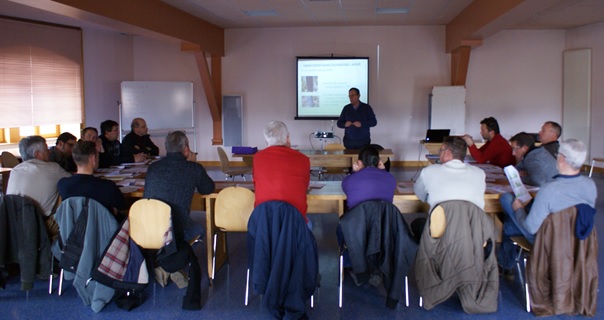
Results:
[40, 79]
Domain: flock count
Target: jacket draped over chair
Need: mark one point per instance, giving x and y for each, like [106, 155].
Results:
[562, 270]
[23, 238]
[379, 241]
[459, 261]
[283, 260]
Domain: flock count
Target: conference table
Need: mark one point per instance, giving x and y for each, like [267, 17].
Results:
[325, 158]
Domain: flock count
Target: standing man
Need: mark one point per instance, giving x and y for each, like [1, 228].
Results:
[549, 135]
[111, 154]
[84, 184]
[36, 178]
[280, 172]
[138, 140]
[61, 152]
[496, 151]
[356, 119]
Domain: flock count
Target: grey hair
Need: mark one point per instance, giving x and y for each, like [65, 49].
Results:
[29, 145]
[176, 141]
[276, 133]
[574, 152]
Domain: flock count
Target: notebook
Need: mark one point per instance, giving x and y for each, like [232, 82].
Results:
[436, 135]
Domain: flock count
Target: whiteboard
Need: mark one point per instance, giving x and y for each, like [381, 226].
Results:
[448, 109]
[165, 105]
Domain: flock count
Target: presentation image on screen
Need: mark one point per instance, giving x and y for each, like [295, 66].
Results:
[322, 85]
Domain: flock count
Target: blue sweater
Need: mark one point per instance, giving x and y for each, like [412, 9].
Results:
[364, 114]
[369, 184]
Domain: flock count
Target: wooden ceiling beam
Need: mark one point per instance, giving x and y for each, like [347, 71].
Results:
[159, 17]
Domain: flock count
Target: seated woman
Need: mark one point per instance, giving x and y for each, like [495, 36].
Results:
[369, 181]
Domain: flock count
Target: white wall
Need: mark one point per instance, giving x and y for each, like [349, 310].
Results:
[591, 37]
[515, 76]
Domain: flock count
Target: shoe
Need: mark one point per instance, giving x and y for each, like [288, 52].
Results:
[161, 276]
[180, 278]
[375, 280]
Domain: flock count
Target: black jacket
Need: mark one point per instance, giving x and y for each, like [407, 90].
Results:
[282, 256]
[379, 241]
[23, 238]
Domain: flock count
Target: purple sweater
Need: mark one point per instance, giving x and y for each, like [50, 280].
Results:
[369, 184]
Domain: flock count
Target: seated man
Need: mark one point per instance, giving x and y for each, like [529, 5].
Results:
[36, 177]
[549, 135]
[84, 184]
[535, 165]
[280, 172]
[496, 150]
[138, 140]
[92, 134]
[452, 179]
[61, 153]
[569, 188]
[111, 153]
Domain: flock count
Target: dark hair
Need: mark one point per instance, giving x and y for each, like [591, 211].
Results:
[355, 90]
[64, 137]
[89, 128]
[369, 156]
[107, 125]
[82, 151]
[491, 124]
[523, 139]
[556, 127]
[457, 145]
[176, 141]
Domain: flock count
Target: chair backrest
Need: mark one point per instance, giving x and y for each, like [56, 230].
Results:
[438, 222]
[149, 219]
[8, 160]
[334, 146]
[234, 206]
[224, 160]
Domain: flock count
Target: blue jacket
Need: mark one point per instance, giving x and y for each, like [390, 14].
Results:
[365, 115]
[282, 256]
[100, 229]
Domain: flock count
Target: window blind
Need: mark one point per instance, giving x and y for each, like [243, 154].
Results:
[40, 74]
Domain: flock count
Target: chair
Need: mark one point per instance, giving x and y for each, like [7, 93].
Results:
[392, 238]
[557, 247]
[456, 255]
[229, 171]
[234, 206]
[593, 162]
[525, 250]
[8, 160]
[333, 170]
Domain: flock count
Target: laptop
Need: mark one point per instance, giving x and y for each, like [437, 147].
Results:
[436, 135]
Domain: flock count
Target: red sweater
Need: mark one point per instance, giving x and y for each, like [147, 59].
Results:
[281, 173]
[496, 152]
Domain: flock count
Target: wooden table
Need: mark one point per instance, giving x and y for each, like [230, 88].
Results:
[325, 158]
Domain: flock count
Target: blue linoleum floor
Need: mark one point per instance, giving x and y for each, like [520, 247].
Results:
[225, 300]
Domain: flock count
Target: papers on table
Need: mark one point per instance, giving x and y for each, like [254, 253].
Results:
[316, 185]
[128, 189]
[519, 190]
[405, 187]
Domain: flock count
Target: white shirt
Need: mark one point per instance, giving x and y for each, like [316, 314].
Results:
[37, 179]
[453, 180]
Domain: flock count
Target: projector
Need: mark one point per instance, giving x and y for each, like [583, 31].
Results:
[323, 134]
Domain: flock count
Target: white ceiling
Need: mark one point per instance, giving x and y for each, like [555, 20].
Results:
[296, 13]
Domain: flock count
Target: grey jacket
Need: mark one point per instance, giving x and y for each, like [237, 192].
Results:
[459, 261]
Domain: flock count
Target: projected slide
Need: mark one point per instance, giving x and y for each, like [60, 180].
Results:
[323, 83]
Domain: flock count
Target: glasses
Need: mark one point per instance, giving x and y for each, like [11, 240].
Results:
[516, 148]
[441, 150]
